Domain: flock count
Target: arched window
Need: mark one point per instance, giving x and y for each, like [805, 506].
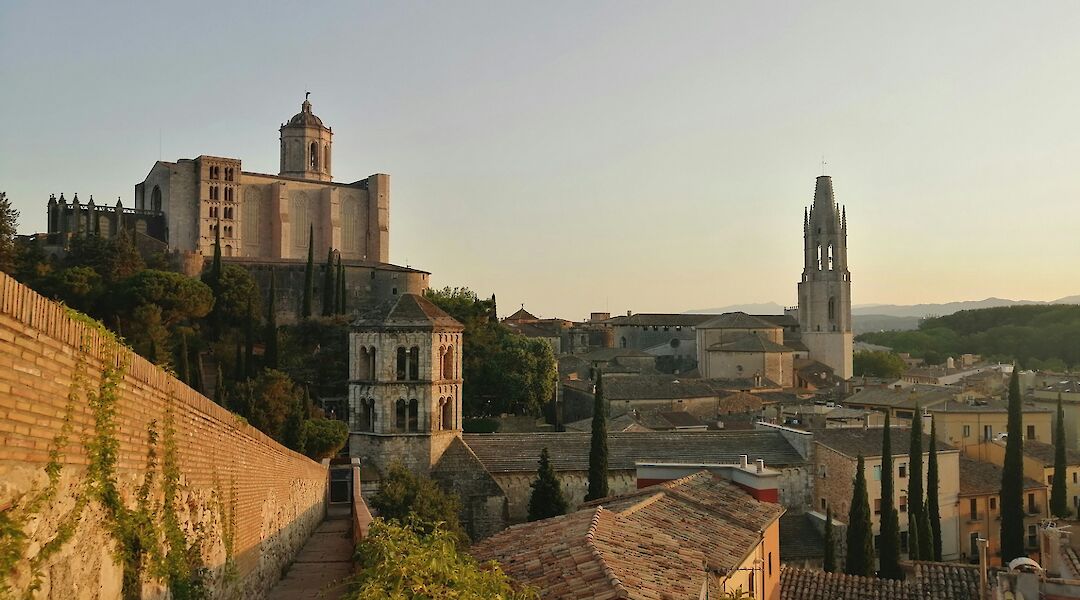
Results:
[400, 415]
[448, 363]
[326, 158]
[402, 360]
[314, 156]
[414, 415]
[448, 414]
[371, 363]
[414, 363]
[830, 257]
[622, 342]
[363, 365]
[817, 256]
[832, 308]
[155, 199]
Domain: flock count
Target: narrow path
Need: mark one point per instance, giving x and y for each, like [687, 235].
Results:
[324, 564]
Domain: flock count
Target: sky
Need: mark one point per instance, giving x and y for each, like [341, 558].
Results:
[596, 156]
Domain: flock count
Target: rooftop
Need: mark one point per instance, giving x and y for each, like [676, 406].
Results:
[738, 320]
[666, 541]
[991, 405]
[979, 478]
[659, 319]
[407, 311]
[800, 538]
[650, 387]
[1044, 453]
[511, 453]
[925, 581]
[868, 442]
[750, 343]
[905, 397]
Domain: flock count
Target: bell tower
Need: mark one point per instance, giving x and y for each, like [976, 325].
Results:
[305, 145]
[825, 288]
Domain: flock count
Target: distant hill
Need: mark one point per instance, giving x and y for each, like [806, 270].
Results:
[948, 308]
[759, 308]
[868, 323]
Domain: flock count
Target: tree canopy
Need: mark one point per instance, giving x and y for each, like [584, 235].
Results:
[399, 561]
[418, 501]
[547, 498]
[878, 364]
[9, 222]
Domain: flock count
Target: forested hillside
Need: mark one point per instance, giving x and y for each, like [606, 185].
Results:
[1039, 337]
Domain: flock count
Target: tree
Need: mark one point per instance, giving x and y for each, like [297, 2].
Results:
[1012, 478]
[860, 535]
[235, 289]
[249, 342]
[292, 431]
[418, 501]
[830, 543]
[272, 394]
[397, 562]
[342, 295]
[309, 276]
[1059, 500]
[878, 364]
[547, 497]
[185, 369]
[324, 438]
[270, 356]
[215, 282]
[115, 259]
[9, 223]
[80, 288]
[889, 544]
[915, 487]
[598, 450]
[933, 510]
[182, 299]
[329, 288]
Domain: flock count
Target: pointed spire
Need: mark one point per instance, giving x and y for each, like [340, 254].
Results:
[119, 204]
[823, 196]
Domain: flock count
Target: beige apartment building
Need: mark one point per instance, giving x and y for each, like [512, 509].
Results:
[1038, 464]
[964, 424]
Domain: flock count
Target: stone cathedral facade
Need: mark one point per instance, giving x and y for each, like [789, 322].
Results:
[825, 287]
[265, 216]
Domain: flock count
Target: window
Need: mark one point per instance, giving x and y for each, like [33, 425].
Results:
[973, 509]
[988, 432]
[1032, 508]
[830, 257]
[1074, 476]
[448, 414]
[228, 194]
[1030, 432]
[903, 541]
[414, 363]
[1032, 536]
[877, 472]
[903, 470]
[823, 471]
[824, 505]
[967, 430]
[414, 415]
[993, 504]
[622, 342]
[974, 544]
[155, 199]
[903, 504]
[326, 158]
[402, 359]
[770, 564]
[214, 192]
[400, 415]
[832, 308]
[313, 158]
[877, 506]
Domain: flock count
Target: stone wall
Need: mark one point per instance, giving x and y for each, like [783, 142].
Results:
[575, 485]
[246, 502]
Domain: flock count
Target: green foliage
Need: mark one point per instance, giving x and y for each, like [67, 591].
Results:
[265, 401]
[860, 535]
[78, 287]
[481, 425]
[547, 498]
[1059, 500]
[309, 276]
[598, 449]
[329, 286]
[417, 501]
[878, 364]
[324, 438]
[9, 218]
[181, 299]
[235, 293]
[342, 306]
[316, 353]
[115, 259]
[504, 372]
[933, 509]
[405, 562]
[829, 565]
[292, 431]
[270, 356]
[916, 503]
[1012, 479]
[889, 542]
[1037, 336]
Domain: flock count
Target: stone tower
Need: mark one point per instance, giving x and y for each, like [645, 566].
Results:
[825, 289]
[305, 146]
[404, 384]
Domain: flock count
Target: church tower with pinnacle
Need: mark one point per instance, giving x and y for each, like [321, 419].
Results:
[825, 288]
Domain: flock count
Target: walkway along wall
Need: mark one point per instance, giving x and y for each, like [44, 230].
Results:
[117, 480]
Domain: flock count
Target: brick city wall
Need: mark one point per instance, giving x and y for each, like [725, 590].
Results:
[229, 471]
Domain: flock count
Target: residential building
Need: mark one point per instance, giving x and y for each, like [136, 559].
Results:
[1038, 464]
[700, 536]
[835, 459]
[980, 510]
[963, 424]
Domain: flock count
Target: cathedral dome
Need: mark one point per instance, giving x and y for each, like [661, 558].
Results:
[305, 117]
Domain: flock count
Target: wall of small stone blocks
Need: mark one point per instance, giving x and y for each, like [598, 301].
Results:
[575, 485]
[229, 469]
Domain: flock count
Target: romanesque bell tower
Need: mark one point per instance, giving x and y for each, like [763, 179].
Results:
[404, 384]
[825, 289]
[305, 146]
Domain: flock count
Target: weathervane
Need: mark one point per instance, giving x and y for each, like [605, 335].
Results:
[306, 94]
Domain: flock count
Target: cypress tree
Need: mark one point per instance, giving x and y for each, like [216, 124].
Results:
[493, 316]
[185, 369]
[329, 290]
[238, 368]
[598, 450]
[309, 407]
[197, 382]
[249, 343]
[292, 431]
[341, 307]
[1012, 480]
[270, 357]
[309, 276]
[889, 543]
[830, 543]
[860, 535]
[219, 389]
[933, 510]
[547, 497]
[1059, 501]
[915, 487]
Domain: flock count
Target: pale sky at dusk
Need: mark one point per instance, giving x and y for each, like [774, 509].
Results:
[578, 156]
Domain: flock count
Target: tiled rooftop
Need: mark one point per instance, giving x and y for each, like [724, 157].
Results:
[978, 478]
[925, 581]
[659, 542]
[905, 397]
[407, 310]
[1044, 452]
[510, 453]
[853, 441]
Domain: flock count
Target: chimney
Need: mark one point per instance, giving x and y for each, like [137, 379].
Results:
[896, 387]
[629, 313]
[743, 460]
[760, 465]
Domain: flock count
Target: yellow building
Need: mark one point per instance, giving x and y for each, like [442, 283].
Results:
[1038, 464]
[963, 424]
[980, 510]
